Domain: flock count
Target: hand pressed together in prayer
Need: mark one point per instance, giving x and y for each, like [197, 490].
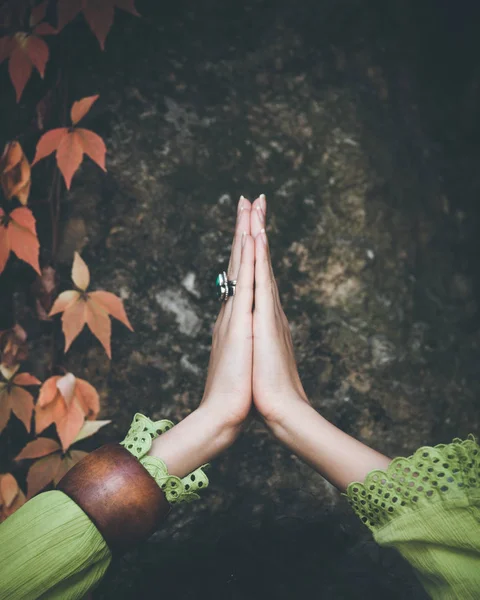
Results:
[252, 362]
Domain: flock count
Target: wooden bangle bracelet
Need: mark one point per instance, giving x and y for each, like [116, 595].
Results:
[118, 494]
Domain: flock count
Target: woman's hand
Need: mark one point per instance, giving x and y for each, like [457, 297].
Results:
[227, 398]
[276, 384]
[228, 389]
[278, 393]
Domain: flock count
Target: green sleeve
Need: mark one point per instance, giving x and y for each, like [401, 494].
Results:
[427, 506]
[49, 549]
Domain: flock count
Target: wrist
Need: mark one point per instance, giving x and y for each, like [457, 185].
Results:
[337, 456]
[278, 418]
[196, 440]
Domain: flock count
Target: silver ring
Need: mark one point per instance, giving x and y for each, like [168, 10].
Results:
[225, 287]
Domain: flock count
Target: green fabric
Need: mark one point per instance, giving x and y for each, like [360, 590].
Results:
[139, 440]
[427, 506]
[50, 549]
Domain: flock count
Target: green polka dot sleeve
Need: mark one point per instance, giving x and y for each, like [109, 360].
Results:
[427, 506]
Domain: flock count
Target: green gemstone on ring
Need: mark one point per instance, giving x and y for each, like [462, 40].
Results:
[219, 286]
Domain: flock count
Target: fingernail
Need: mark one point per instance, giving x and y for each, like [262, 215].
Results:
[260, 212]
[244, 237]
[263, 202]
[240, 203]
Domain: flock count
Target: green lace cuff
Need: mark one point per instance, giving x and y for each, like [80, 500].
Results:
[437, 474]
[138, 442]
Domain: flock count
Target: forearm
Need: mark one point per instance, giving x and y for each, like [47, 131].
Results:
[194, 441]
[334, 454]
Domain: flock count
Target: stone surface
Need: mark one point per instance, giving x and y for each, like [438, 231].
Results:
[319, 110]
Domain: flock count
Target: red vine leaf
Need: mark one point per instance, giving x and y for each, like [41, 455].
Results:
[81, 107]
[66, 401]
[39, 447]
[43, 289]
[25, 51]
[14, 398]
[92, 308]
[13, 346]
[90, 428]
[72, 143]
[99, 15]
[11, 496]
[18, 235]
[15, 176]
[42, 472]
[8, 489]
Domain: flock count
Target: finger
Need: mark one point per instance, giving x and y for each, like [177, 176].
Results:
[242, 301]
[242, 225]
[265, 285]
[257, 223]
[257, 215]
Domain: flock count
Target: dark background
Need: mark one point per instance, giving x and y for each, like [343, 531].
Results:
[360, 122]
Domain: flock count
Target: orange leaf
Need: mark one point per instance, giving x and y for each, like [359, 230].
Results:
[73, 321]
[26, 379]
[4, 243]
[93, 309]
[80, 272]
[20, 68]
[21, 403]
[5, 408]
[69, 156]
[25, 51]
[42, 472]
[48, 392]
[93, 146]
[16, 399]
[21, 187]
[112, 304]
[99, 16]
[69, 426]
[100, 325]
[15, 173]
[38, 13]
[64, 301]
[50, 413]
[23, 237]
[39, 447]
[66, 386]
[13, 346]
[45, 29]
[37, 51]
[88, 398]
[8, 489]
[12, 155]
[49, 142]
[66, 401]
[81, 107]
[90, 428]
